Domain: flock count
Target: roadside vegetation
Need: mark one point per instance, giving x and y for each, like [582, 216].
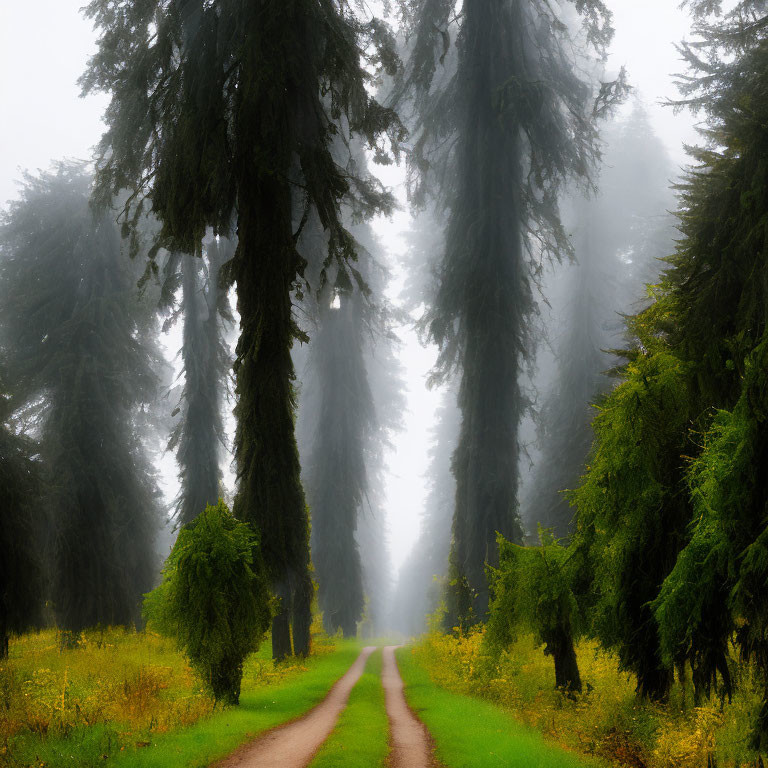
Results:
[606, 720]
[131, 699]
[470, 733]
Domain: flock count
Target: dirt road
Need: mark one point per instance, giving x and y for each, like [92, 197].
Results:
[293, 745]
[409, 738]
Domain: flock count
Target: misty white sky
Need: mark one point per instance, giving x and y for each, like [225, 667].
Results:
[44, 46]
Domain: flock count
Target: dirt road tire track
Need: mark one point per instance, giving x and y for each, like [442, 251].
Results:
[295, 744]
[411, 746]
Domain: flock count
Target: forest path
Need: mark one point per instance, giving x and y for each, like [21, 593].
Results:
[293, 745]
[410, 741]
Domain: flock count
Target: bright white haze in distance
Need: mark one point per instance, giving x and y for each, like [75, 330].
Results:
[44, 47]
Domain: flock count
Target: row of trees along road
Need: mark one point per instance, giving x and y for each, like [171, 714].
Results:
[228, 112]
[80, 360]
[668, 563]
[619, 236]
[676, 490]
[226, 119]
[495, 139]
[178, 98]
[200, 127]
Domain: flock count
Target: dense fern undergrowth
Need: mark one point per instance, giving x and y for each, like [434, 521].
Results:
[607, 720]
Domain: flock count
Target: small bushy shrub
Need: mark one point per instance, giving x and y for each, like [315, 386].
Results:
[213, 599]
[532, 593]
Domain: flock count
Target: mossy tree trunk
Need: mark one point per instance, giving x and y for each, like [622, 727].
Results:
[270, 495]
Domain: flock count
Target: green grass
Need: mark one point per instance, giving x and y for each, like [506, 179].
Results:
[361, 736]
[217, 736]
[264, 704]
[470, 733]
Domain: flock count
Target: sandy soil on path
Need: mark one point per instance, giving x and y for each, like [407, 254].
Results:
[411, 746]
[293, 745]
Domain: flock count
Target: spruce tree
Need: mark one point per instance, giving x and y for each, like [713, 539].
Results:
[619, 237]
[336, 476]
[715, 297]
[674, 491]
[75, 357]
[631, 511]
[199, 434]
[230, 108]
[495, 139]
[213, 600]
[531, 590]
[342, 430]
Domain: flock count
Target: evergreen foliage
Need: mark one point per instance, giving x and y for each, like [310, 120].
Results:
[231, 108]
[21, 531]
[213, 599]
[674, 497]
[532, 591]
[76, 361]
[495, 140]
[199, 434]
[716, 292]
[632, 512]
[337, 480]
[619, 236]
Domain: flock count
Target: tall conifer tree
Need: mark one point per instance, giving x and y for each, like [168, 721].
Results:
[619, 237]
[497, 139]
[199, 434]
[342, 431]
[229, 108]
[715, 297]
[675, 496]
[336, 476]
[75, 354]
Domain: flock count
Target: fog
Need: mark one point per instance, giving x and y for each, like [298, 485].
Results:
[44, 48]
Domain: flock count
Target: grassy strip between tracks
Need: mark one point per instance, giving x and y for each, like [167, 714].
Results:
[470, 733]
[361, 736]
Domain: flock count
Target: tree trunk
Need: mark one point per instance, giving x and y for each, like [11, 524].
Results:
[567, 677]
[226, 680]
[349, 630]
[270, 495]
[281, 630]
[302, 615]
[485, 287]
[654, 681]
